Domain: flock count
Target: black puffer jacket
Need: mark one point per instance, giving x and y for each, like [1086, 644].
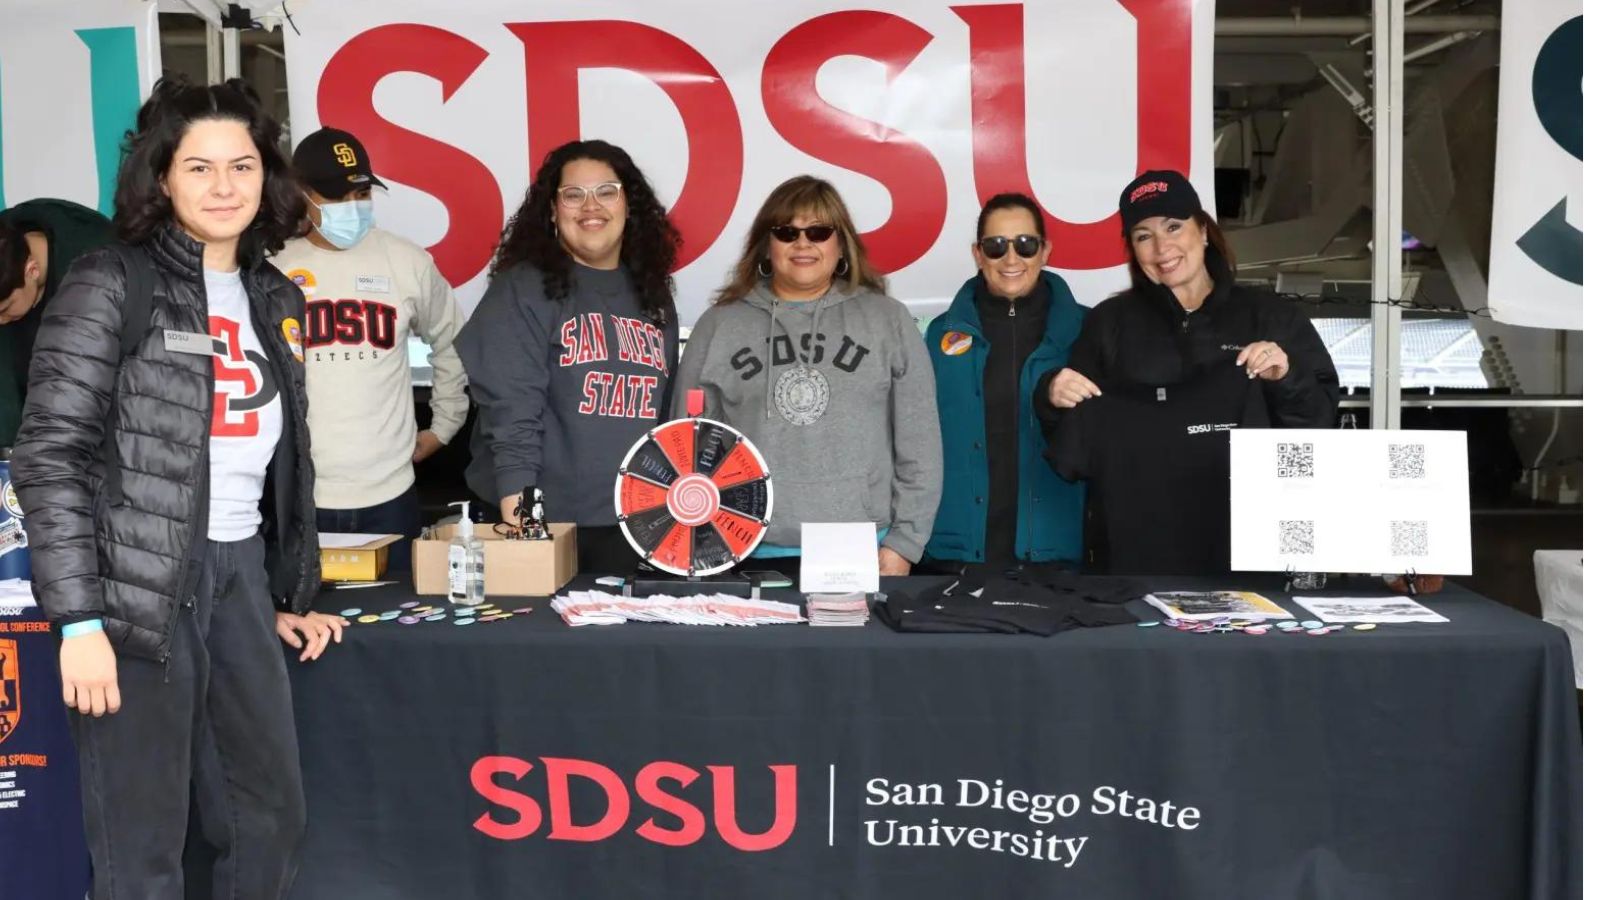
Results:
[1142, 337]
[133, 562]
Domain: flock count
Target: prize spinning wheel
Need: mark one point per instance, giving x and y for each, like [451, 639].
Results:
[694, 497]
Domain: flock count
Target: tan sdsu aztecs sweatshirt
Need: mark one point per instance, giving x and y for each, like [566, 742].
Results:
[362, 305]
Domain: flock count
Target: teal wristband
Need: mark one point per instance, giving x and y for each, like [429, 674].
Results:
[81, 628]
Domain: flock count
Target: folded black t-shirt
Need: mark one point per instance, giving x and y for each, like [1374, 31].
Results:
[1014, 603]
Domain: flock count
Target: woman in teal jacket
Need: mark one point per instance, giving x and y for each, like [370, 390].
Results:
[1008, 325]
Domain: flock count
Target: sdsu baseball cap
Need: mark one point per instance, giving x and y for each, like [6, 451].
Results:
[333, 163]
[1160, 192]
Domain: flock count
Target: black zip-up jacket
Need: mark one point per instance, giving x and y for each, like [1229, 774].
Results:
[1143, 337]
[134, 562]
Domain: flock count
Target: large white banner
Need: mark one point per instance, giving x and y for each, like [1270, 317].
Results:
[916, 110]
[72, 76]
[1536, 252]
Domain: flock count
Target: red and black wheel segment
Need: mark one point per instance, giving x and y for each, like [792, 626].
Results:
[693, 498]
[742, 464]
[676, 440]
[648, 461]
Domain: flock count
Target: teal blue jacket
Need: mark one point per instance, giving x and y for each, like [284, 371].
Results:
[1049, 510]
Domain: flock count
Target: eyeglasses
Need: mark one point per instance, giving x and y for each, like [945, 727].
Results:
[995, 246]
[574, 196]
[816, 234]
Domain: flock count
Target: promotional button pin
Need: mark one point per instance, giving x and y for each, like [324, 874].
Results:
[292, 336]
[304, 280]
[955, 343]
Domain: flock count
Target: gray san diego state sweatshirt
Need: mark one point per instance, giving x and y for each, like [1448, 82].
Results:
[564, 387]
[837, 394]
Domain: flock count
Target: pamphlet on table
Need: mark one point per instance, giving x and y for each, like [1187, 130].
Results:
[1194, 606]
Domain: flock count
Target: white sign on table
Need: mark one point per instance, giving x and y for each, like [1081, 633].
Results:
[838, 557]
[1313, 500]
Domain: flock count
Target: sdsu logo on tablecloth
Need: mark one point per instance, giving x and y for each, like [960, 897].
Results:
[10, 688]
[516, 814]
[9, 497]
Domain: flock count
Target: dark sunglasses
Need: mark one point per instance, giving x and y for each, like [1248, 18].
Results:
[1027, 245]
[816, 234]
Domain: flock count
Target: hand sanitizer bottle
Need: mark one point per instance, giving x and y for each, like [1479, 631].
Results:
[466, 562]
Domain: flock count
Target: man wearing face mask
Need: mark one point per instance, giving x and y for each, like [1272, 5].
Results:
[367, 292]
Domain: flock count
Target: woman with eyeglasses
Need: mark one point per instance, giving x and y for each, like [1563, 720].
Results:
[1162, 372]
[571, 353]
[1007, 326]
[805, 353]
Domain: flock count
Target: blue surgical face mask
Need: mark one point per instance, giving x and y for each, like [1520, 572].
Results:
[344, 224]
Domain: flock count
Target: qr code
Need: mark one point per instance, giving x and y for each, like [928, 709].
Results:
[1408, 538]
[1407, 461]
[1295, 461]
[1297, 537]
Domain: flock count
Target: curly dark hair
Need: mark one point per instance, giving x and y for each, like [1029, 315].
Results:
[650, 241]
[142, 208]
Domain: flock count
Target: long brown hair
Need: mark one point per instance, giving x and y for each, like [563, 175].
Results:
[1214, 237]
[800, 195]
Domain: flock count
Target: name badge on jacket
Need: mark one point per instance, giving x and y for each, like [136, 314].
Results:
[187, 342]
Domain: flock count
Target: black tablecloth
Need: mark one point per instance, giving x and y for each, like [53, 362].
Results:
[524, 758]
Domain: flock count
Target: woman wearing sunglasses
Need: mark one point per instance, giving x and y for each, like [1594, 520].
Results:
[805, 354]
[1162, 371]
[1007, 326]
[570, 354]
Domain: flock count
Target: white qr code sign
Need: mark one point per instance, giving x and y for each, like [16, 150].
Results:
[1350, 501]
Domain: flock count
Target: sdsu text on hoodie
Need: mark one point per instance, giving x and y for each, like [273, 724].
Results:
[837, 394]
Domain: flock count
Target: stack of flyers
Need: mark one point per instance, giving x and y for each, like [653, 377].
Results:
[601, 608]
[837, 609]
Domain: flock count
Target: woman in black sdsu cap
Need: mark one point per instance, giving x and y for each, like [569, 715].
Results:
[1161, 372]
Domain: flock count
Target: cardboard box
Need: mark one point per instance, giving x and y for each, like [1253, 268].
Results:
[511, 568]
[366, 562]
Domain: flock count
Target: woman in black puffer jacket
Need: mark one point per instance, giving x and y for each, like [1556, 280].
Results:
[168, 503]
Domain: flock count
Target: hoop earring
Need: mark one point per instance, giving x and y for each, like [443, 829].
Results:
[764, 268]
[841, 272]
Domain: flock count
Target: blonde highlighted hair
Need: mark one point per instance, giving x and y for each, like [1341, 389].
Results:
[800, 196]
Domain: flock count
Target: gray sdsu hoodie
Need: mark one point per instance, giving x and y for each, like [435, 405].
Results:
[837, 394]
